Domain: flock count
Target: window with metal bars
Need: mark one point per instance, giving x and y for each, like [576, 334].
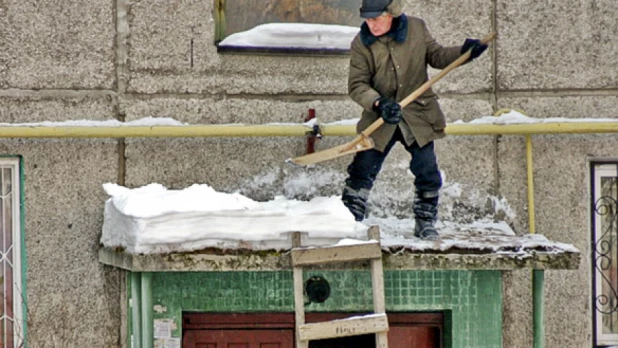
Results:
[234, 17]
[12, 332]
[604, 223]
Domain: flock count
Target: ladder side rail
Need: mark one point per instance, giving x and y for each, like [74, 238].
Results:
[299, 299]
[377, 282]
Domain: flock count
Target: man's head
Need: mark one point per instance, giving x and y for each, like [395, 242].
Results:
[379, 14]
[375, 8]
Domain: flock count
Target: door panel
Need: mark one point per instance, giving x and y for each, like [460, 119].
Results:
[413, 337]
[239, 339]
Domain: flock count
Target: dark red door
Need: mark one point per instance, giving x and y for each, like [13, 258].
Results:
[276, 330]
[239, 339]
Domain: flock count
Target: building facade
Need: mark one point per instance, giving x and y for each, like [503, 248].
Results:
[122, 60]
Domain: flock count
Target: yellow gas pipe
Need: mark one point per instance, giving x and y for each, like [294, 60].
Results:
[285, 130]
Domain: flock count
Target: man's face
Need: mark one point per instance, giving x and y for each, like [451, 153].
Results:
[380, 25]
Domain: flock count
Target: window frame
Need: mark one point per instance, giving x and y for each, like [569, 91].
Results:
[220, 29]
[18, 260]
[599, 170]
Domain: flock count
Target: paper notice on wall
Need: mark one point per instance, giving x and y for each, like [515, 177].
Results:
[163, 328]
[167, 342]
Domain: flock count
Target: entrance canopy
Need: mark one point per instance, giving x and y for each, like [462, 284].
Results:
[152, 228]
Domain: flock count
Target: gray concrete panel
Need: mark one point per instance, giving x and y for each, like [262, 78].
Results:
[72, 299]
[172, 50]
[66, 44]
[565, 106]
[517, 310]
[244, 74]
[451, 22]
[256, 166]
[35, 107]
[564, 215]
[466, 110]
[557, 44]
[4, 44]
[512, 179]
[209, 110]
[468, 160]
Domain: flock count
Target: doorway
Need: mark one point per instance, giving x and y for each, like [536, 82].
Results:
[276, 330]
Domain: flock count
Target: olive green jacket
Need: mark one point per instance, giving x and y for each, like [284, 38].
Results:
[394, 68]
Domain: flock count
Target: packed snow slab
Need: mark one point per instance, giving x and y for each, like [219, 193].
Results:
[154, 219]
[483, 236]
[294, 35]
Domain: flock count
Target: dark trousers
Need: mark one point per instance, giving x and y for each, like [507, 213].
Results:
[366, 166]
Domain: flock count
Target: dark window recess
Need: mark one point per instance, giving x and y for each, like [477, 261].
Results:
[241, 16]
[276, 330]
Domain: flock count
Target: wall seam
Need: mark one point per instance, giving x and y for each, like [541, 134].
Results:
[494, 95]
[121, 55]
[122, 48]
[67, 93]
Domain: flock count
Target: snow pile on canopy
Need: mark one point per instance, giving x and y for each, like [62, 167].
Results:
[153, 219]
[294, 35]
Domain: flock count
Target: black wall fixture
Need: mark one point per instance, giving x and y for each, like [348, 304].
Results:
[317, 289]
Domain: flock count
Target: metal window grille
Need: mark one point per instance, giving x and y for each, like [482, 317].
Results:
[11, 307]
[604, 239]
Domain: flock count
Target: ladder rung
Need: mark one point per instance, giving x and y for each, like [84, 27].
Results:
[372, 323]
[337, 253]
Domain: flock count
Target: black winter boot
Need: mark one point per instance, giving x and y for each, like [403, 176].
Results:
[426, 214]
[425, 229]
[355, 201]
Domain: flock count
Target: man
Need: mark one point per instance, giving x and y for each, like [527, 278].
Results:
[389, 59]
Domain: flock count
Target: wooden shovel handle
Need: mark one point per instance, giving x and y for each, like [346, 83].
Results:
[362, 142]
[424, 87]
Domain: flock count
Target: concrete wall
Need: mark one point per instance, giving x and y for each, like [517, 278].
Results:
[118, 59]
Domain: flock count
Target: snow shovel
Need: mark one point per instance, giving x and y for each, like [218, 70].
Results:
[363, 142]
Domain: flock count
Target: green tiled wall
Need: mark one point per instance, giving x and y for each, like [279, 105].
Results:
[472, 299]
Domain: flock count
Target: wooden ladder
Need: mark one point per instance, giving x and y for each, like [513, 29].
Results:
[376, 323]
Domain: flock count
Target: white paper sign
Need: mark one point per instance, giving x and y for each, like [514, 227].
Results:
[167, 343]
[163, 328]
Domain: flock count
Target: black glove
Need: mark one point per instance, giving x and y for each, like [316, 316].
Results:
[390, 110]
[476, 46]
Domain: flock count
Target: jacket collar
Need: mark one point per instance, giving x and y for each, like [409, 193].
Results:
[398, 32]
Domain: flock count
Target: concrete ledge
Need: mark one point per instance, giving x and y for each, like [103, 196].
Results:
[216, 261]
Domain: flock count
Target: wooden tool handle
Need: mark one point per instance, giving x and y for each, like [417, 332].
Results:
[425, 86]
[362, 141]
